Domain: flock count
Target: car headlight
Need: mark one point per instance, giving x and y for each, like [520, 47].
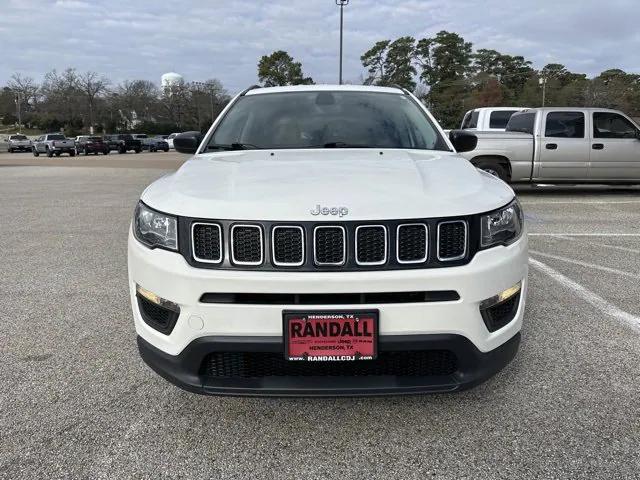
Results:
[501, 227]
[155, 229]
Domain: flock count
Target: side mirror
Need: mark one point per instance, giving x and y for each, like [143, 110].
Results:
[187, 142]
[463, 141]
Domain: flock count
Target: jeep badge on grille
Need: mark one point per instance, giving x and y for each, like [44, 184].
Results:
[339, 211]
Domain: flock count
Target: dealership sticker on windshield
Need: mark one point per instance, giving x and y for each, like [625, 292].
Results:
[331, 336]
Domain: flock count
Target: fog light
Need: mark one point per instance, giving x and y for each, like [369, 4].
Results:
[502, 296]
[501, 309]
[153, 298]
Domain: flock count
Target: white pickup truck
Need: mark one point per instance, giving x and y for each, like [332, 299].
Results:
[327, 240]
[562, 145]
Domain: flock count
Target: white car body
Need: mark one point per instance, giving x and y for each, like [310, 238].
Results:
[170, 139]
[488, 119]
[345, 186]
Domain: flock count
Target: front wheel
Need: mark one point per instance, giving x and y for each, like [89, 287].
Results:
[72, 153]
[10, 150]
[49, 152]
[36, 153]
[58, 154]
[494, 168]
[122, 150]
[106, 152]
[138, 150]
[85, 151]
[166, 149]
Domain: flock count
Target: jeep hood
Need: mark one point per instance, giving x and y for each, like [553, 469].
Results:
[286, 185]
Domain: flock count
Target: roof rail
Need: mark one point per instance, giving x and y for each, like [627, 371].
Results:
[252, 87]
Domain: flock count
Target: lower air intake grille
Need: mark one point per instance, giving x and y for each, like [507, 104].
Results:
[207, 242]
[288, 246]
[452, 240]
[246, 244]
[371, 245]
[412, 243]
[160, 318]
[499, 315]
[266, 364]
[329, 245]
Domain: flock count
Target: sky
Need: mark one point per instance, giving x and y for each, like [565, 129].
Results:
[202, 39]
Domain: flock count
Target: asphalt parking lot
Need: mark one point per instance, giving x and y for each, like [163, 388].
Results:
[77, 402]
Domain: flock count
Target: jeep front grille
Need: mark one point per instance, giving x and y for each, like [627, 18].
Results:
[316, 246]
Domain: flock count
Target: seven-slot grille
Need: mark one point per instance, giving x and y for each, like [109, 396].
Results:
[287, 246]
[371, 245]
[412, 243]
[452, 240]
[329, 245]
[309, 246]
[247, 246]
[206, 242]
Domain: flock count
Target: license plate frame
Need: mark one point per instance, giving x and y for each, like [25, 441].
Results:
[368, 322]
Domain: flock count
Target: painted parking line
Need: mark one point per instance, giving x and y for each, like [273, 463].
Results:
[592, 298]
[593, 266]
[601, 245]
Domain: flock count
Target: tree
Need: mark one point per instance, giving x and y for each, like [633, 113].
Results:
[279, 68]
[62, 97]
[92, 85]
[443, 58]
[391, 63]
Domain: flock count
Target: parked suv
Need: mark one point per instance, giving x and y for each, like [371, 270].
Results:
[123, 143]
[327, 240]
[152, 144]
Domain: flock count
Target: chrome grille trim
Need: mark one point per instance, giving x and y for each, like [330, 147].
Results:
[273, 247]
[344, 246]
[466, 241]
[232, 241]
[193, 244]
[426, 247]
[386, 246]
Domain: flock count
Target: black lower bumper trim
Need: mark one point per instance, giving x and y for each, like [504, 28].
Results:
[184, 369]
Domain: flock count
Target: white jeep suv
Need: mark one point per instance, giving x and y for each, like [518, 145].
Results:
[327, 240]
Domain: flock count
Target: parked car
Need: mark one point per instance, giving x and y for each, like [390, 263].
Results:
[327, 240]
[152, 144]
[18, 143]
[170, 139]
[562, 145]
[91, 144]
[53, 144]
[123, 143]
[488, 119]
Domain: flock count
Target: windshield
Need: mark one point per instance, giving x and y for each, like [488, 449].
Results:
[329, 119]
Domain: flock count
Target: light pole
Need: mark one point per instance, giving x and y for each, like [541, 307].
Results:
[206, 87]
[18, 100]
[543, 81]
[341, 4]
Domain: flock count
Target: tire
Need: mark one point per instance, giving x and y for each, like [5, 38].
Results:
[10, 150]
[106, 152]
[138, 150]
[58, 154]
[72, 153]
[166, 149]
[495, 168]
[122, 150]
[36, 153]
[49, 152]
[85, 151]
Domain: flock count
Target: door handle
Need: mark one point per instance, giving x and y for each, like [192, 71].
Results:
[551, 146]
[598, 146]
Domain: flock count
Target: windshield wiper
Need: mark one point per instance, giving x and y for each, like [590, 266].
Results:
[344, 145]
[232, 146]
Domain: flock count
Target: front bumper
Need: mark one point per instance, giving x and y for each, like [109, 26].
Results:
[185, 370]
[202, 328]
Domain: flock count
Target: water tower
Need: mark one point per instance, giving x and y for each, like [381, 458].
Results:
[170, 80]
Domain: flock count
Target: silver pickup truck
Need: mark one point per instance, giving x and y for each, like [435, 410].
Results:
[53, 144]
[18, 143]
[562, 145]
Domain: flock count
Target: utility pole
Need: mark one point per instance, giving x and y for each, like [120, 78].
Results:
[18, 111]
[341, 4]
[206, 87]
[543, 81]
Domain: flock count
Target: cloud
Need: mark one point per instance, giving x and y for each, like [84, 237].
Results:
[217, 39]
